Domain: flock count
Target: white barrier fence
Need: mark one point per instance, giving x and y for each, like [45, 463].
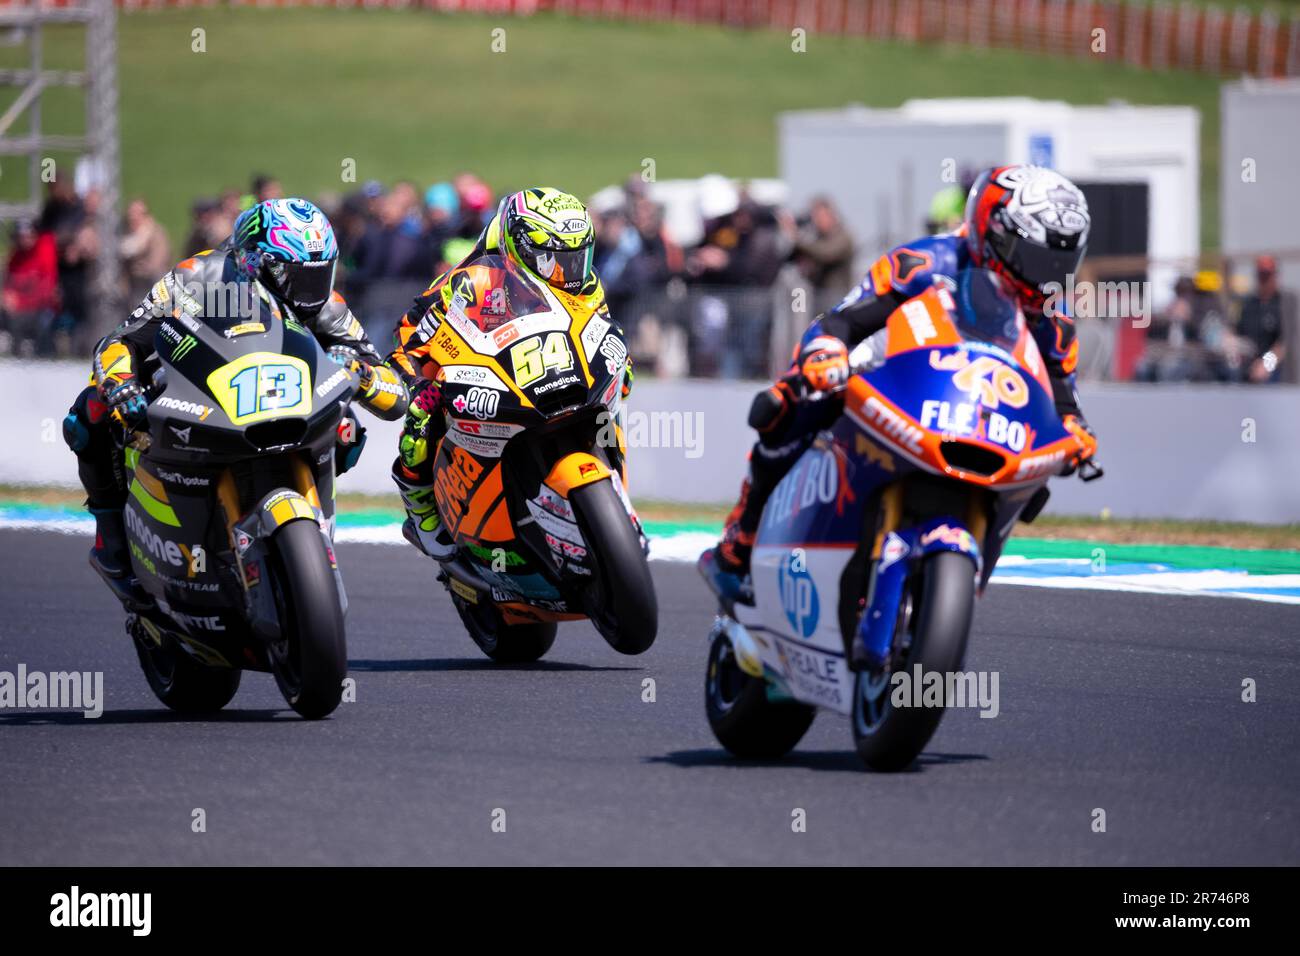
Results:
[1203, 452]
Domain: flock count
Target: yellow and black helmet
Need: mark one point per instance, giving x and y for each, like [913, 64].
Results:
[549, 232]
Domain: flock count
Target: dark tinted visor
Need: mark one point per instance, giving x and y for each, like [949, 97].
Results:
[1035, 265]
[306, 286]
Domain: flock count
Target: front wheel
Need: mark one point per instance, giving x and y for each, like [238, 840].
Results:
[310, 659]
[888, 737]
[621, 600]
[740, 714]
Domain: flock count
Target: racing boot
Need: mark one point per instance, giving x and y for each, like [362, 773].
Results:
[725, 567]
[423, 526]
[109, 556]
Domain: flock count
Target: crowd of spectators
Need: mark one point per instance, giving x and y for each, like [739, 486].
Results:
[1221, 329]
[705, 309]
[724, 306]
[731, 303]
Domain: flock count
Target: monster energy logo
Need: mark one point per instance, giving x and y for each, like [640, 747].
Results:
[184, 347]
[250, 224]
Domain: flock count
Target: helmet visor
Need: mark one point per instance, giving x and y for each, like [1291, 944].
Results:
[305, 286]
[1034, 264]
[566, 269]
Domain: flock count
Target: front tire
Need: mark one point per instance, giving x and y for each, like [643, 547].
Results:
[740, 715]
[181, 682]
[310, 659]
[621, 601]
[502, 642]
[889, 738]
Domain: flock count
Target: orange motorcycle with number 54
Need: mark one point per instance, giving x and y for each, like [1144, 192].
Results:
[530, 477]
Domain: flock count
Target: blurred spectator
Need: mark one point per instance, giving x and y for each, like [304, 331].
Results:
[441, 214]
[476, 204]
[1192, 339]
[145, 250]
[741, 255]
[947, 210]
[266, 187]
[63, 210]
[392, 260]
[948, 206]
[228, 210]
[743, 248]
[394, 245]
[823, 251]
[31, 290]
[76, 264]
[206, 227]
[453, 252]
[1267, 317]
[63, 214]
[660, 258]
[617, 245]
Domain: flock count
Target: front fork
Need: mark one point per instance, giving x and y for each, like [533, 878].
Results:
[896, 554]
[250, 535]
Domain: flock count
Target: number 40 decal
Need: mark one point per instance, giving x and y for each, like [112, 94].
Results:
[533, 358]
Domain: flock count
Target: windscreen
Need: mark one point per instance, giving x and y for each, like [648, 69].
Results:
[493, 291]
[228, 307]
[986, 310]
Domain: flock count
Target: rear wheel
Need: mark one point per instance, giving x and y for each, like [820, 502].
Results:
[181, 682]
[934, 637]
[740, 715]
[504, 643]
[310, 659]
[621, 599]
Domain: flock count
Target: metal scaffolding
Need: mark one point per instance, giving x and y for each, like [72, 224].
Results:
[24, 24]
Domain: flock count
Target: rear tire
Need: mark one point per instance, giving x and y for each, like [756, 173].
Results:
[621, 601]
[894, 738]
[740, 715]
[502, 642]
[310, 660]
[181, 682]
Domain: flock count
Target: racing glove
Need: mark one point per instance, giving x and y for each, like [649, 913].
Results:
[414, 444]
[1084, 434]
[126, 401]
[627, 380]
[351, 360]
[823, 365]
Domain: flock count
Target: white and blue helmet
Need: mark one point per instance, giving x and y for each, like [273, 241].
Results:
[289, 245]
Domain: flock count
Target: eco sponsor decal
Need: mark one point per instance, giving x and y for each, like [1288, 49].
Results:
[482, 403]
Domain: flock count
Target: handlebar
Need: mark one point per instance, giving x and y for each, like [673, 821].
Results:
[1089, 470]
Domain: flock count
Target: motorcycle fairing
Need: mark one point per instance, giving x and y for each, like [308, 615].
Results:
[491, 499]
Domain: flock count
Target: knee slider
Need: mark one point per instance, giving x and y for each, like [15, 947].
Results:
[75, 433]
[81, 418]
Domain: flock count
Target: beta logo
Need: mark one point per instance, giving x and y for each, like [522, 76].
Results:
[798, 594]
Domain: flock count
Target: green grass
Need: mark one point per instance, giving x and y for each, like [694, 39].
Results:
[572, 102]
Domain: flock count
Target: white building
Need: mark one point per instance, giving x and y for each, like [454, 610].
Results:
[883, 166]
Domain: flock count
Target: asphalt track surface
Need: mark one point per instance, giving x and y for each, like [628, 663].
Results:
[1126, 702]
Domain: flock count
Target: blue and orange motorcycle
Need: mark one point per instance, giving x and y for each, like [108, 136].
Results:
[872, 549]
